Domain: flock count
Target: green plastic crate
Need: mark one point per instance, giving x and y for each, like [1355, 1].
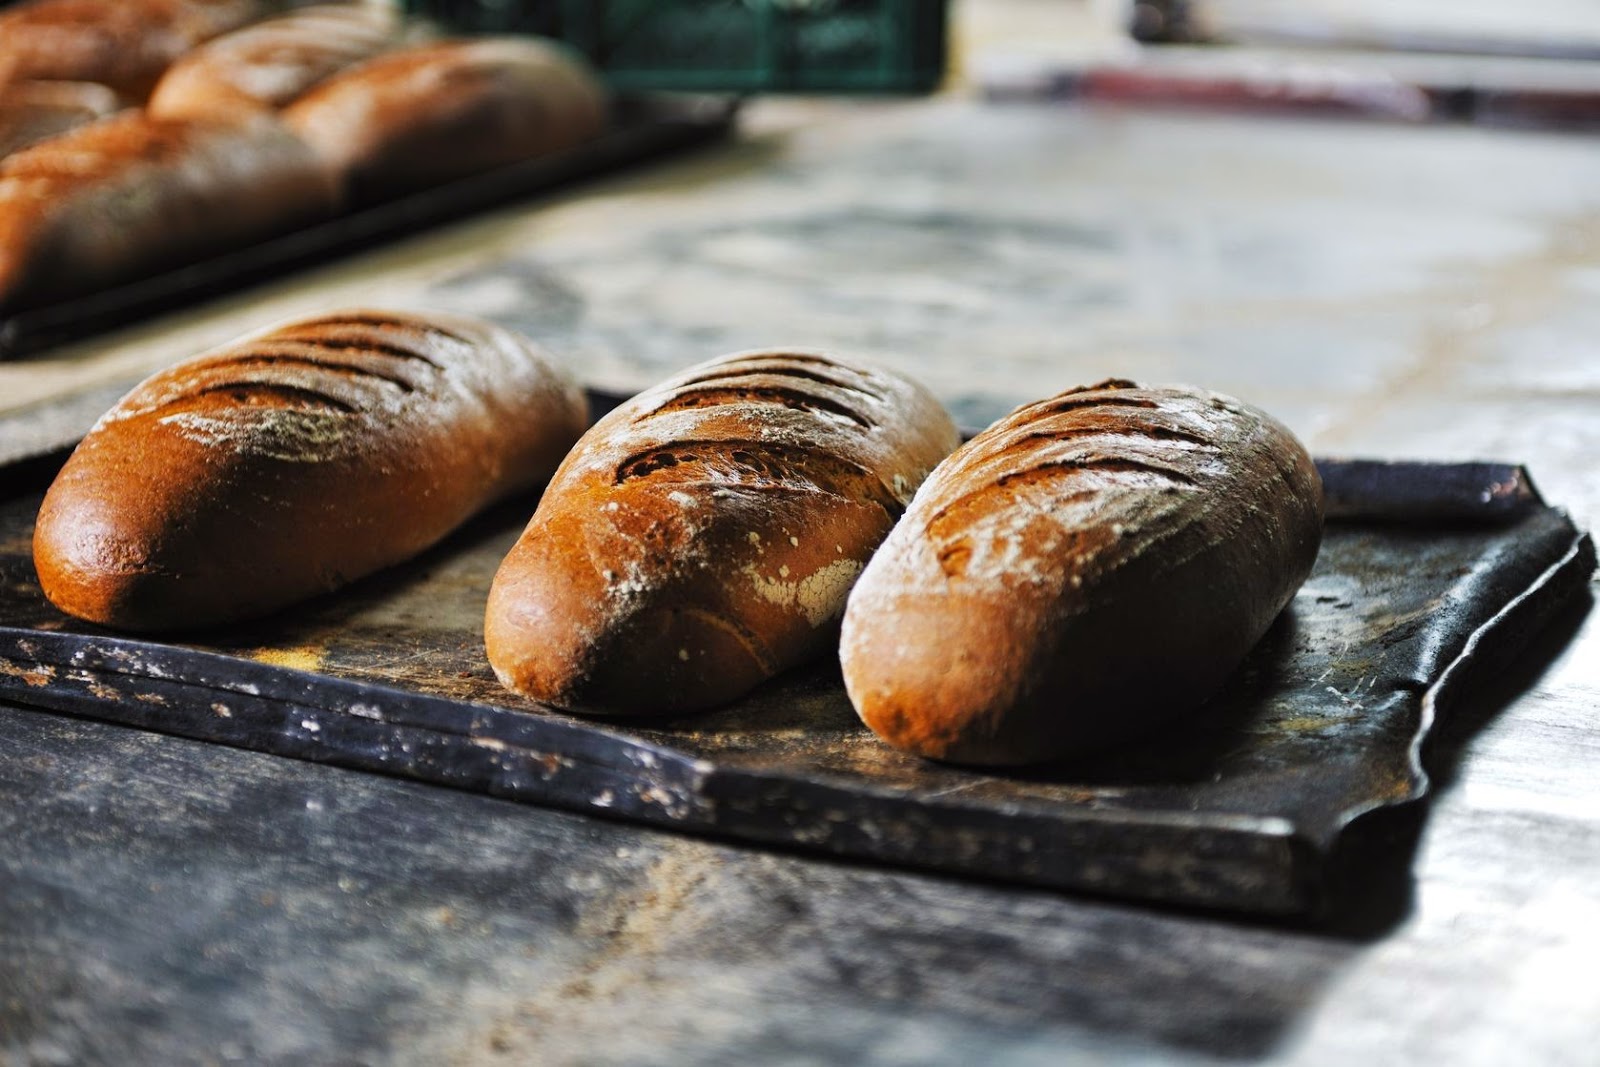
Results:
[844, 46]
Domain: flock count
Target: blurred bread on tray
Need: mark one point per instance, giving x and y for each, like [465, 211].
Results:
[124, 44]
[128, 195]
[140, 136]
[426, 115]
[267, 66]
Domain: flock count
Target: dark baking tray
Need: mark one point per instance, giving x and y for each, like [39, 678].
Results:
[1429, 575]
[643, 127]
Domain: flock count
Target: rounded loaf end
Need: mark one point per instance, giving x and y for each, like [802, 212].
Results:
[568, 635]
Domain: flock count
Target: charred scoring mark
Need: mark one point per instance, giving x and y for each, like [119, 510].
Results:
[776, 395]
[1147, 431]
[274, 395]
[1095, 464]
[366, 345]
[949, 520]
[771, 366]
[1104, 385]
[958, 514]
[384, 322]
[760, 465]
[1062, 405]
[339, 368]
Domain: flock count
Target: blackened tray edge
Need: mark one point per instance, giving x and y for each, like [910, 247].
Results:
[1251, 864]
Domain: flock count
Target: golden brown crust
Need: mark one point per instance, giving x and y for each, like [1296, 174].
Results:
[31, 112]
[1087, 567]
[129, 194]
[264, 67]
[421, 116]
[124, 44]
[289, 463]
[702, 537]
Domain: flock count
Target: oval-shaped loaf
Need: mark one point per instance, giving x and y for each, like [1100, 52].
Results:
[703, 537]
[289, 463]
[428, 114]
[1084, 569]
[268, 65]
[129, 194]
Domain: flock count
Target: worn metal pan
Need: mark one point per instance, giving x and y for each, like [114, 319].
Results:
[1429, 574]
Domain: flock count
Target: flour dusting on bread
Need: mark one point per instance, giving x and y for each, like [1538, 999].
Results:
[723, 514]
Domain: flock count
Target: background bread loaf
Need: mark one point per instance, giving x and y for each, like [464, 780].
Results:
[702, 537]
[124, 44]
[31, 112]
[425, 115]
[289, 463]
[129, 194]
[268, 65]
[1085, 569]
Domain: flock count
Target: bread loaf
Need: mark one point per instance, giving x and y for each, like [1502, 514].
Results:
[124, 44]
[421, 116]
[1085, 569]
[264, 67]
[292, 462]
[702, 537]
[31, 112]
[126, 195]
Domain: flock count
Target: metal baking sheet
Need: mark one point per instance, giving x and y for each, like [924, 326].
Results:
[643, 127]
[1429, 573]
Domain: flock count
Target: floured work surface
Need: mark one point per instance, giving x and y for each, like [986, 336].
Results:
[1245, 804]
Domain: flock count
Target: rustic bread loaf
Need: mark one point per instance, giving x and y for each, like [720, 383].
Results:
[1086, 568]
[31, 112]
[124, 44]
[289, 463]
[268, 65]
[126, 195]
[702, 537]
[425, 115]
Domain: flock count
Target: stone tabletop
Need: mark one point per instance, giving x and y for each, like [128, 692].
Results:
[1393, 292]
